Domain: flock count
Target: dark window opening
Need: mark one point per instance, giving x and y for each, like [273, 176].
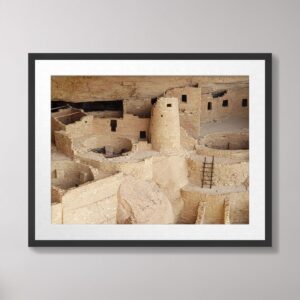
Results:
[113, 125]
[169, 105]
[115, 105]
[153, 100]
[209, 106]
[161, 115]
[184, 98]
[143, 135]
[219, 93]
[225, 103]
[245, 102]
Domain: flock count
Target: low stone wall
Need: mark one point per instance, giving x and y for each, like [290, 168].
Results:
[230, 145]
[226, 172]
[214, 205]
[118, 144]
[142, 146]
[138, 168]
[56, 194]
[67, 174]
[91, 203]
[63, 143]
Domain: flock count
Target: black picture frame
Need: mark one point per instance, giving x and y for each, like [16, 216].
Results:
[266, 57]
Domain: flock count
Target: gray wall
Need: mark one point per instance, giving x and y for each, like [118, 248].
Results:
[148, 26]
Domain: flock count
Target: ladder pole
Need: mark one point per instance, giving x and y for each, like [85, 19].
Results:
[203, 168]
[212, 169]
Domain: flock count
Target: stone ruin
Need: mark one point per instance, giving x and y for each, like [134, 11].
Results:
[152, 151]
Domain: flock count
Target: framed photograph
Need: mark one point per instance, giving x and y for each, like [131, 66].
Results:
[150, 149]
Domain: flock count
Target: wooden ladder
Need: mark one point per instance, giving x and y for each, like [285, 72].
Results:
[207, 172]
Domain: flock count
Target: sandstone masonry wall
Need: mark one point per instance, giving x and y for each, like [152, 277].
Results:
[165, 126]
[92, 203]
[216, 111]
[189, 102]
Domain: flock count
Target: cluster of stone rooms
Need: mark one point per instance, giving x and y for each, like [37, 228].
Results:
[150, 150]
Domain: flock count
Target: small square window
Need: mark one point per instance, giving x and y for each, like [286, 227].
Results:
[143, 135]
[245, 102]
[184, 98]
[209, 106]
[225, 103]
[169, 105]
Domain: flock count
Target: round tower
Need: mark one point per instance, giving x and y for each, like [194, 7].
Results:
[165, 125]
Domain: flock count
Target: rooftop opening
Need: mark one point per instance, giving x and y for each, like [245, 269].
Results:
[244, 102]
[184, 98]
[209, 106]
[219, 93]
[225, 103]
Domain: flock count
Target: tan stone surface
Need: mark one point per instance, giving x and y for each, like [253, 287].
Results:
[215, 200]
[165, 125]
[56, 213]
[143, 202]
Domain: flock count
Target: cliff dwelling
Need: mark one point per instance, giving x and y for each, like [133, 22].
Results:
[150, 149]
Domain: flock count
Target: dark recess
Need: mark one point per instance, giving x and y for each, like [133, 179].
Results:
[225, 103]
[244, 102]
[143, 135]
[113, 125]
[184, 98]
[115, 105]
[153, 100]
[217, 94]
